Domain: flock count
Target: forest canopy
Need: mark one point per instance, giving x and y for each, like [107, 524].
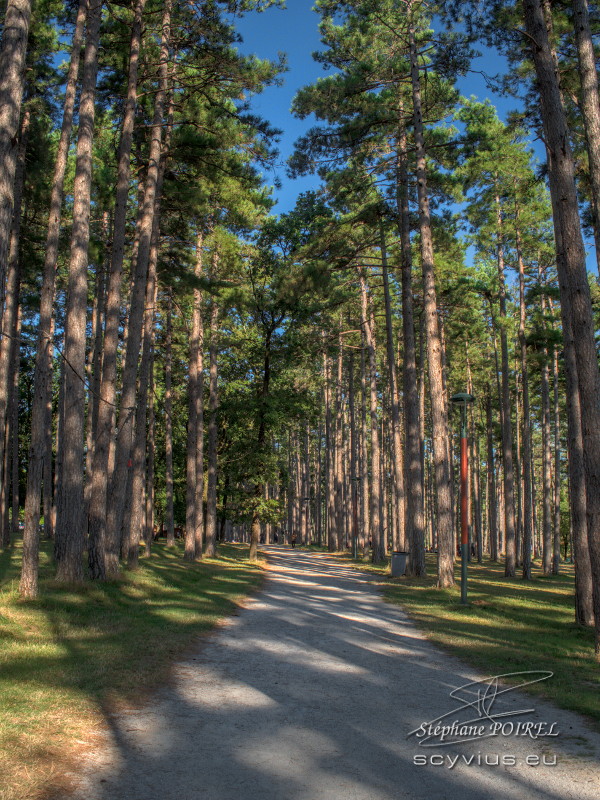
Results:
[177, 359]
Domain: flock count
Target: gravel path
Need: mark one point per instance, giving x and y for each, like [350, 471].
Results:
[311, 692]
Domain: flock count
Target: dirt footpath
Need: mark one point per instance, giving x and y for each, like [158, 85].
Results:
[319, 690]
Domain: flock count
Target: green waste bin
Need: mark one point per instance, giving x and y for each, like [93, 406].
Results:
[398, 563]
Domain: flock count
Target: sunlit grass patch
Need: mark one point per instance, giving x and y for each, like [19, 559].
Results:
[74, 654]
[509, 625]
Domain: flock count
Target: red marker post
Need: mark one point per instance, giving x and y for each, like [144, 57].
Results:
[463, 398]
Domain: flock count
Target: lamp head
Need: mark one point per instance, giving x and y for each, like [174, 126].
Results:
[462, 397]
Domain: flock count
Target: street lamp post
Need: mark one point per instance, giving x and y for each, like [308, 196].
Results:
[463, 398]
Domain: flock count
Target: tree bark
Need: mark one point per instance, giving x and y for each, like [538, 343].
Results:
[329, 458]
[37, 466]
[527, 451]
[546, 461]
[378, 543]
[70, 523]
[104, 559]
[338, 448]
[169, 509]
[439, 409]
[396, 430]
[151, 448]
[138, 455]
[584, 605]
[213, 402]
[576, 307]
[14, 429]
[136, 522]
[262, 430]
[557, 470]
[507, 447]
[353, 476]
[415, 524]
[194, 530]
[94, 367]
[590, 101]
[13, 49]
[124, 441]
[9, 343]
[491, 480]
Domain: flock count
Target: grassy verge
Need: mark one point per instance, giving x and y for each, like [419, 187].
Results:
[510, 625]
[77, 653]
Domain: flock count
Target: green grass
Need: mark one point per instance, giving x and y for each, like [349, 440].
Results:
[510, 625]
[78, 653]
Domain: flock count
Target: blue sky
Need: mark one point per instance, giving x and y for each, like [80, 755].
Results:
[294, 31]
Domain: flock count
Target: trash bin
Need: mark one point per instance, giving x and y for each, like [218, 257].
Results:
[398, 563]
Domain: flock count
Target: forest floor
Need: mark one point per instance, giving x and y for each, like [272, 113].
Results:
[79, 653]
[318, 690]
[506, 626]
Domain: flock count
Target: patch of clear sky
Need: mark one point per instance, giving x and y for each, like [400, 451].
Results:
[294, 31]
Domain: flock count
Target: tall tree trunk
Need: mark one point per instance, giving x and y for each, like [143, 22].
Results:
[13, 49]
[415, 525]
[519, 463]
[546, 466]
[329, 458]
[262, 431]
[290, 487]
[138, 455]
[338, 446]
[439, 409]
[104, 559]
[14, 429]
[557, 470]
[378, 554]
[136, 522]
[584, 605]
[169, 509]
[546, 473]
[10, 526]
[149, 511]
[365, 517]
[306, 492]
[319, 487]
[491, 480]
[70, 523]
[527, 451]
[396, 430]
[576, 307]
[213, 401]
[9, 344]
[40, 448]
[94, 367]
[590, 101]
[195, 433]
[353, 483]
[59, 452]
[48, 454]
[421, 397]
[507, 447]
[124, 441]
[476, 473]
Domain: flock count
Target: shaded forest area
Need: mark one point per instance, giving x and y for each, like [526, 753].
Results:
[177, 360]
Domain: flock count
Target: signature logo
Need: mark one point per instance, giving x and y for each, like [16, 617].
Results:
[478, 717]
